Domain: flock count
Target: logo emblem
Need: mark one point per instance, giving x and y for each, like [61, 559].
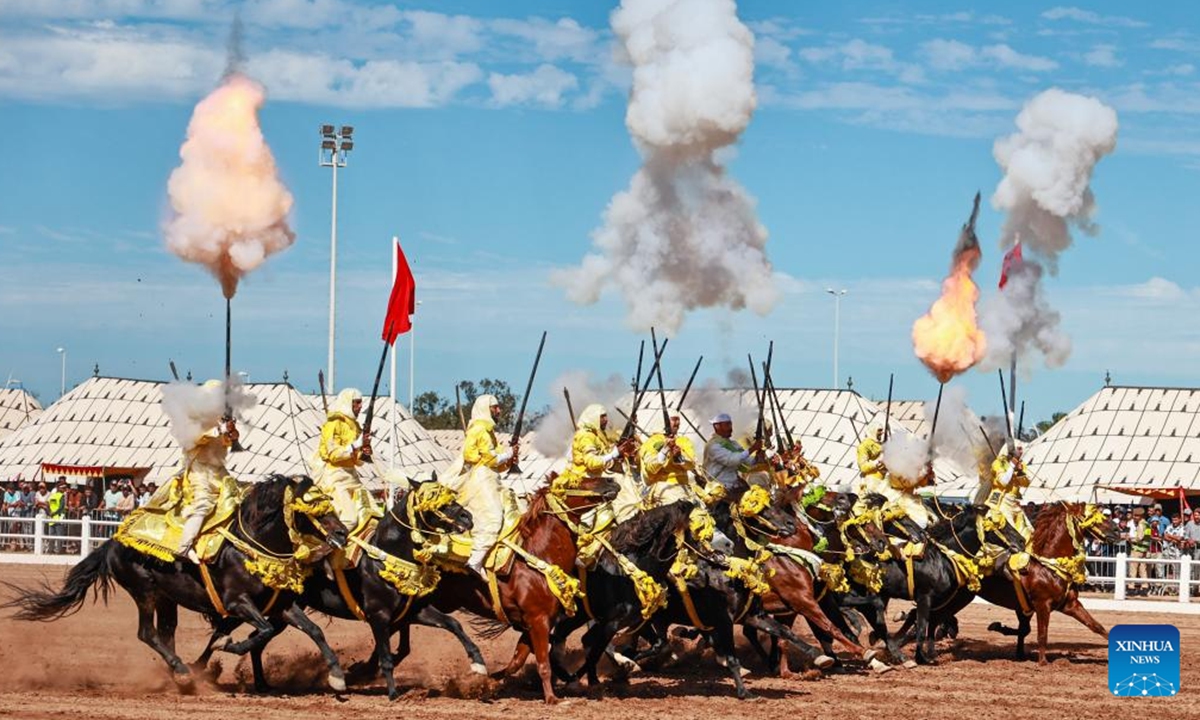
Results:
[1143, 660]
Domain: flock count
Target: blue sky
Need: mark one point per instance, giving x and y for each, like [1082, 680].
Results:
[490, 138]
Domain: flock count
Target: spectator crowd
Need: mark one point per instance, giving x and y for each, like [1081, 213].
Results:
[93, 498]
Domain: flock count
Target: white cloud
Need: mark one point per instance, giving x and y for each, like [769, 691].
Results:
[858, 55]
[1181, 69]
[1009, 58]
[1103, 56]
[953, 55]
[545, 86]
[770, 52]
[552, 41]
[1091, 18]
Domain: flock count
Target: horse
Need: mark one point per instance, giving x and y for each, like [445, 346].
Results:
[363, 593]
[1056, 570]
[793, 581]
[716, 594]
[524, 598]
[261, 537]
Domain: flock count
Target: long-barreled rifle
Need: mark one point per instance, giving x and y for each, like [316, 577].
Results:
[758, 429]
[516, 436]
[638, 394]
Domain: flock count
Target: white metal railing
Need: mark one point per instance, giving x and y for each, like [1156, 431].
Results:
[1163, 577]
[46, 537]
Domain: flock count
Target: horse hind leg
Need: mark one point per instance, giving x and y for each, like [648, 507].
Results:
[296, 617]
[430, 616]
[539, 639]
[166, 620]
[1074, 608]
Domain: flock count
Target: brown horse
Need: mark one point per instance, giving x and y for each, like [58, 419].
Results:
[1054, 574]
[527, 602]
[793, 583]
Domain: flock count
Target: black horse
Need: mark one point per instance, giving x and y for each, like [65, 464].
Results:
[936, 582]
[268, 515]
[712, 602]
[377, 601]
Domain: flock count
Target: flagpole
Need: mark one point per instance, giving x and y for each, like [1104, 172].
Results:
[392, 376]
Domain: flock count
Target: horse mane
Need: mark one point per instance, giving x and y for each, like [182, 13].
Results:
[532, 517]
[649, 531]
[264, 500]
[946, 529]
[1045, 529]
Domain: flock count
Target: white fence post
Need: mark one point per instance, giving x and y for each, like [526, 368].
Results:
[1185, 579]
[1119, 579]
[85, 536]
[39, 535]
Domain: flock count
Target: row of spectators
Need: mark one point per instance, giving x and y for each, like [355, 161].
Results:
[61, 500]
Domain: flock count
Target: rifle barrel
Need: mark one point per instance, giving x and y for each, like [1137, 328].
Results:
[662, 393]
[687, 388]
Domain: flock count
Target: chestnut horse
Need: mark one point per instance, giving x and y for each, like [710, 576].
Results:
[526, 600]
[1054, 574]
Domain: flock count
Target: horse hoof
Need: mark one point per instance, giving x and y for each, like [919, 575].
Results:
[899, 616]
[910, 664]
[184, 680]
[479, 668]
[878, 667]
[870, 655]
[337, 683]
[995, 627]
[626, 665]
[823, 662]
[743, 671]
[747, 695]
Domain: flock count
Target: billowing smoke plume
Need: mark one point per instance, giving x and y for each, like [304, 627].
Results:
[229, 206]
[709, 399]
[684, 235]
[1045, 191]
[905, 454]
[196, 409]
[957, 437]
[555, 430]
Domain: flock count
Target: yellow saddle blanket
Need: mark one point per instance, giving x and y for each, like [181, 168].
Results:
[156, 529]
[499, 560]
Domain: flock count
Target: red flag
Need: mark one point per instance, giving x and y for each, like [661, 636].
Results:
[403, 301]
[1012, 260]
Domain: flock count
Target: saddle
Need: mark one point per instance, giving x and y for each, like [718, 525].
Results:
[500, 559]
[156, 529]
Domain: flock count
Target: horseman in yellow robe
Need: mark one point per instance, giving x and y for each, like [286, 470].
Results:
[594, 453]
[872, 471]
[335, 464]
[203, 467]
[667, 466]
[1008, 482]
[476, 478]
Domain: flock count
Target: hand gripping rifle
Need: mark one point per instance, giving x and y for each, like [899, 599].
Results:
[515, 468]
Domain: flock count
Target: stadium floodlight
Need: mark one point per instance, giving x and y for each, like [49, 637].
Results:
[347, 130]
[327, 130]
[347, 145]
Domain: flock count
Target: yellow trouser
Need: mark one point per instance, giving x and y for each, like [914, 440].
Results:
[479, 493]
[201, 485]
[629, 497]
[1008, 507]
[350, 497]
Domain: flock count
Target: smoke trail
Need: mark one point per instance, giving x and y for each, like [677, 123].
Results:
[555, 430]
[196, 409]
[1048, 165]
[684, 235]
[235, 52]
[229, 205]
[957, 437]
[905, 454]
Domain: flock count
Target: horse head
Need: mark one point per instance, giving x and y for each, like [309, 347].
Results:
[584, 493]
[309, 511]
[433, 506]
[1094, 522]
[757, 510]
[863, 533]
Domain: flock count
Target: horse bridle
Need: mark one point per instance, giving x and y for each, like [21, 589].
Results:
[291, 505]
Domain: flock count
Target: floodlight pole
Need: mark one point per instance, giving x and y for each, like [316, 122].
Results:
[837, 323]
[62, 386]
[332, 154]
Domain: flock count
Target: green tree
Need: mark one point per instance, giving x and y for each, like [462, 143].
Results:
[440, 413]
[1045, 425]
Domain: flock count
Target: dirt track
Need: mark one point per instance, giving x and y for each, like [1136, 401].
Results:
[92, 666]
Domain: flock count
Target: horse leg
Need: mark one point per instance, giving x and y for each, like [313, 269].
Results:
[382, 650]
[220, 633]
[1074, 608]
[1022, 633]
[921, 630]
[558, 640]
[807, 605]
[167, 619]
[1042, 609]
[722, 637]
[520, 655]
[539, 638]
[430, 616]
[297, 618]
[877, 618]
[148, 634]
[773, 628]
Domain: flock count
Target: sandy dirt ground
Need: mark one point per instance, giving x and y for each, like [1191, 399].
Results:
[91, 665]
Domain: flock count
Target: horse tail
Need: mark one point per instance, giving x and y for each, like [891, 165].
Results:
[44, 604]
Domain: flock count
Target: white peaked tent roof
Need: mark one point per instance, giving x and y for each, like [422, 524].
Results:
[17, 408]
[1140, 438]
[910, 414]
[829, 423]
[119, 423]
